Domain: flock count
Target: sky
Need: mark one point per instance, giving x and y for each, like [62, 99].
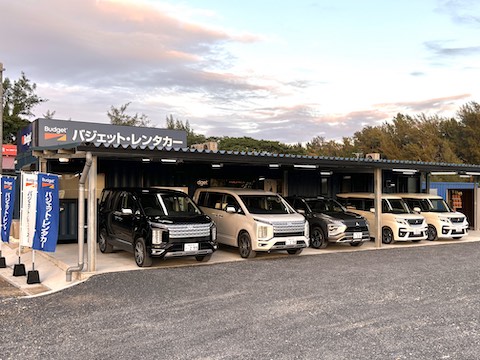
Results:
[283, 70]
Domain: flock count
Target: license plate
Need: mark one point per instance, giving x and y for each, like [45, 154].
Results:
[291, 242]
[191, 247]
[357, 235]
[417, 232]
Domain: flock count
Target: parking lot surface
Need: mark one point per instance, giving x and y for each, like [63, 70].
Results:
[401, 303]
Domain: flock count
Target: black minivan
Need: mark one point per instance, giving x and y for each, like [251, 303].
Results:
[154, 222]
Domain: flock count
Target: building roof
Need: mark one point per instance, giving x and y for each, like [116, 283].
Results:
[158, 153]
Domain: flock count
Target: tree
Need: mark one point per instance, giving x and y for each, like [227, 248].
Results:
[467, 134]
[192, 137]
[18, 103]
[119, 117]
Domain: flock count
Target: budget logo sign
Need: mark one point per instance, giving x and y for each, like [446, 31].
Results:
[48, 211]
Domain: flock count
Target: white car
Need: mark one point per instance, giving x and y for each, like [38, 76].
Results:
[398, 221]
[442, 221]
[254, 220]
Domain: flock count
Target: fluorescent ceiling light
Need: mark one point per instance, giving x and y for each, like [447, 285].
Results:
[274, 166]
[443, 173]
[325, 173]
[300, 166]
[171, 161]
[145, 159]
[64, 160]
[405, 170]
[217, 166]
[472, 173]
[465, 176]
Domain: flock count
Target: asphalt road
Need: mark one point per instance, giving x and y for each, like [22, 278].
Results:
[411, 303]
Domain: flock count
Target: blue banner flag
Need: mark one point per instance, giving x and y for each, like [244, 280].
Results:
[48, 213]
[8, 202]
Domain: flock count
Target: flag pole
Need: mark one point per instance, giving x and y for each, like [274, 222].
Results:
[2, 259]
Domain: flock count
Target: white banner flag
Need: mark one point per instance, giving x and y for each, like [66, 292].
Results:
[28, 208]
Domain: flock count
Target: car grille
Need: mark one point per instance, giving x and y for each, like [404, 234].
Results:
[457, 220]
[288, 228]
[353, 226]
[188, 230]
[415, 221]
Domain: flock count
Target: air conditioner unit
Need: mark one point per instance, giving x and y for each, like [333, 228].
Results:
[211, 145]
[373, 156]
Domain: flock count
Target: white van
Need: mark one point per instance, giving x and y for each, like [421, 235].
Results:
[254, 220]
[442, 221]
[398, 222]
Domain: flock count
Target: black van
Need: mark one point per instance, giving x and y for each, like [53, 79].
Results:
[154, 222]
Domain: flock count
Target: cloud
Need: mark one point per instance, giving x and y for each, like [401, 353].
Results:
[461, 11]
[439, 105]
[439, 50]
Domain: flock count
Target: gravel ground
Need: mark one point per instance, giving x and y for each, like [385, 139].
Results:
[411, 303]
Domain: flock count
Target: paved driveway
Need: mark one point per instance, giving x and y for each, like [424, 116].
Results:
[407, 303]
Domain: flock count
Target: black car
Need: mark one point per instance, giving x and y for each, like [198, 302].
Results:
[330, 221]
[154, 222]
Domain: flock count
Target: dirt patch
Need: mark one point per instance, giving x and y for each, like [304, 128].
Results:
[7, 290]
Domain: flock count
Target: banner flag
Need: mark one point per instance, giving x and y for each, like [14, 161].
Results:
[28, 208]
[8, 202]
[48, 213]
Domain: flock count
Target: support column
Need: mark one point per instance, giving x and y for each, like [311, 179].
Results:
[476, 204]
[92, 217]
[378, 206]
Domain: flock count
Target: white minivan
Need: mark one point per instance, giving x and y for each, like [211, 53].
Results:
[442, 221]
[254, 220]
[398, 221]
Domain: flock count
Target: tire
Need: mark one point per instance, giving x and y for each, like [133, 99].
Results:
[203, 257]
[103, 244]
[294, 251]
[245, 246]
[356, 243]
[432, 233]
[140, 252]
[318, 239]
[387, 235]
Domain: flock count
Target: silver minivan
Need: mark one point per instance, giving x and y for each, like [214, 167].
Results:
[254, 220]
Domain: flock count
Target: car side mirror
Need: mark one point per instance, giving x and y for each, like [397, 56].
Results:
[372, 210]
[230, 209]
[301, 211]
[127, 211]
[417, 209]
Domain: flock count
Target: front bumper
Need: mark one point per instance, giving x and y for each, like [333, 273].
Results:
[411, 233]
[449, 231]
[350, 237]
[181, 249]
[282, 243]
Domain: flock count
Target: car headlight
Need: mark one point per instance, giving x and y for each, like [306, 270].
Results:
[401, 221]
[264, 232]
[336, 227]
[157, 236]
[444, 219]
[213, 231]
[307, 230]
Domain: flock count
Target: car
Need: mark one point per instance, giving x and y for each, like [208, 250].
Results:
[442, 221]
[330, 221]
[154, 223]
[254, 220]
[398, 221]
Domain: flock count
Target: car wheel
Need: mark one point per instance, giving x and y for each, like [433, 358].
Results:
[141, 256]
[294, 251]
[387, 235]
[318, 239]
[431, 233]
[356, 243]
[245, 246]
[203, 257]
[103, 244]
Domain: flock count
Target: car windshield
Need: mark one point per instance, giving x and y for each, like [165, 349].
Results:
[395, 206]
[438, 205]
[161, 205]
[325, 205]
[266, 204]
